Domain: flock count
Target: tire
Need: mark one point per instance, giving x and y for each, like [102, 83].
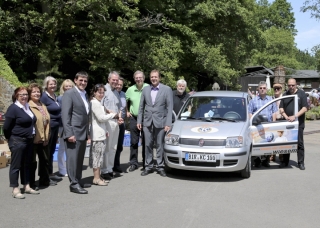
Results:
[246, 172]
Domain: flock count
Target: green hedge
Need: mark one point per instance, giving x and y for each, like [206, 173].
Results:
[7, 73]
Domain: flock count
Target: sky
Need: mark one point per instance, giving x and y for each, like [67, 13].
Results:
[308, 34]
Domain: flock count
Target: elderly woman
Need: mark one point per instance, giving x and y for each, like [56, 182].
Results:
[66, 85]
[19, 130]
[49, 99]
[41, 138]
[98, 133]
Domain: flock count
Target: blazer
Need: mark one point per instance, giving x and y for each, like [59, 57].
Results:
[42, 134]
[99, 120]
[159, 113]
[75, 119]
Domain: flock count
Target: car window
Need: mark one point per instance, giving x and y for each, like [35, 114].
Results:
[214, 107]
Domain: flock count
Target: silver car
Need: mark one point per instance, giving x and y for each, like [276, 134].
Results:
[213, 132]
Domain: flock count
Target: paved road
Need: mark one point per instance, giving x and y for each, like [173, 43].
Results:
[272, 197]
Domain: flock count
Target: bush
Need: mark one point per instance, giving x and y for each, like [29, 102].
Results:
[7, 73]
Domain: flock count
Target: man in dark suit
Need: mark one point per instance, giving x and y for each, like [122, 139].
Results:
[75, 120]
[155, 115]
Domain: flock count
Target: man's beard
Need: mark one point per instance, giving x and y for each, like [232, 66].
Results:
[180, 90]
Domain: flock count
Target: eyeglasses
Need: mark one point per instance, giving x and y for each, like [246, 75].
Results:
[263, 87]
[277, 88]
[23, 95]
[291, 85]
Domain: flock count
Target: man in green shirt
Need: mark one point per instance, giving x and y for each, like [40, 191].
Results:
[133, 96]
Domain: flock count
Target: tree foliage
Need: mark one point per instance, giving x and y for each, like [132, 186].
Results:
[200, 41]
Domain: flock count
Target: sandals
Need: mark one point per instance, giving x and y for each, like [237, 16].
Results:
[99, 182]
[31, 191]
[17, 195]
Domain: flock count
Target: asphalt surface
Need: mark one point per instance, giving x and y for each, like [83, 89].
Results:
[271, 197]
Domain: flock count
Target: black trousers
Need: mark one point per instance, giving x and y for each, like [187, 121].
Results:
[21, 155]
[52, 146]
[134, 142]
[300, 151]
[119, 147]
[43, 171]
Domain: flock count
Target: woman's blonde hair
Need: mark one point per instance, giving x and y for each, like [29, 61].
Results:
[67, 81]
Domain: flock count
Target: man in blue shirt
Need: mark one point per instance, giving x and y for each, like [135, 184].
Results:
[270, 112]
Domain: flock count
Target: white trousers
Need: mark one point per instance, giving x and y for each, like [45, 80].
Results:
[112, 142]
[61, 158]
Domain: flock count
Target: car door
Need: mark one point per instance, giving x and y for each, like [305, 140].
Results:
[277, 137]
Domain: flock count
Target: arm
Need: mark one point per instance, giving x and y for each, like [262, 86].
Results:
[169, 103]
[97, 110]
[66, 114]
[9, 122]
[274, 113]
[141, 110]
[128, 103]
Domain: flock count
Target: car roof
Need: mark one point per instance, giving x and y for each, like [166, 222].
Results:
[220, 94]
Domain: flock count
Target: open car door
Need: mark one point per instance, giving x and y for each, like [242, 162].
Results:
[277, 137]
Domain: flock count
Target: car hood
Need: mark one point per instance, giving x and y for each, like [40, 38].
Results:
[207, 130]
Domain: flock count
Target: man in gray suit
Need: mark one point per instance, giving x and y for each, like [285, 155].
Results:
[75, 120]
[155, 115]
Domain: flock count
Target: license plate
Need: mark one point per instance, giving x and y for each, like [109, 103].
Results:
[200, 157]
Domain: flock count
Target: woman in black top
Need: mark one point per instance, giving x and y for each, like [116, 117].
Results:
[49, 99]
[19, 130]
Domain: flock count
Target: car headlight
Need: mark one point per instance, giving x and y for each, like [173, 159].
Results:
[172, 139]
[234, 142]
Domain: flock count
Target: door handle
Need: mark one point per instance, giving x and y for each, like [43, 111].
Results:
[290, 126]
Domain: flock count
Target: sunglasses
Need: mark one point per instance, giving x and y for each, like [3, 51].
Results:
[291, 85]
[263, 87]
[277, 88]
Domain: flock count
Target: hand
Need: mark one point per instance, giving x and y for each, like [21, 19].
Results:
[72, 139]
[291, 118]
[139, 127]
[120, 121]
[89, 141]
[107, 134]
[116, 116]
[129, 114]
[167, 128]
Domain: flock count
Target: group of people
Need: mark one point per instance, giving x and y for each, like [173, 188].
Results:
[38, 118]
[281, 110]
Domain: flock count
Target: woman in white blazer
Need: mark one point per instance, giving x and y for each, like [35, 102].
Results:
[98, 133]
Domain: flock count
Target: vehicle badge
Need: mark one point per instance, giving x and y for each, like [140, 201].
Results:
[201, 142]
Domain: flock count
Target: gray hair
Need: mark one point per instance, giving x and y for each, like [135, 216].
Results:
[138, 72]
[262, 83]
[182, 81]
[113, 73]
[46, 81]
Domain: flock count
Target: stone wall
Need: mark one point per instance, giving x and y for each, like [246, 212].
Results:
[6, 91]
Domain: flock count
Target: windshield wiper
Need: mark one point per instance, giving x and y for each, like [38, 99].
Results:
[220, 118]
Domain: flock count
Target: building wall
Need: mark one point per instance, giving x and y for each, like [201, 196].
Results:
[6, 91]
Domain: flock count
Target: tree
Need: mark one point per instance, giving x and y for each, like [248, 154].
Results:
[312, 6]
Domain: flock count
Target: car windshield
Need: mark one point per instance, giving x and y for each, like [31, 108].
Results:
[211, 108]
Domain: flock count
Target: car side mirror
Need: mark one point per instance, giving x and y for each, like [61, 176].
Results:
[259, 119]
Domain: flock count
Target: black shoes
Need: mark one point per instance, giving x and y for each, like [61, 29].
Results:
[146, 172]
[257, 164]
[118, 170]
[85, 185]
[162, 173]
[78, 190]
[132, 168]
[48, 183]
[282, 165]
[107, 176]
[301, 167]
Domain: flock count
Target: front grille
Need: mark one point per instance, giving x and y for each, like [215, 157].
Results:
[173, 160]
[230, 162]
[204, 164]
[207, 142]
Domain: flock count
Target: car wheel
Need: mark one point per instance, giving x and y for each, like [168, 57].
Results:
[246, 172]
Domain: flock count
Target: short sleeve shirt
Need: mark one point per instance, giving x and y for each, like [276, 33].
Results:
[256, 103]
